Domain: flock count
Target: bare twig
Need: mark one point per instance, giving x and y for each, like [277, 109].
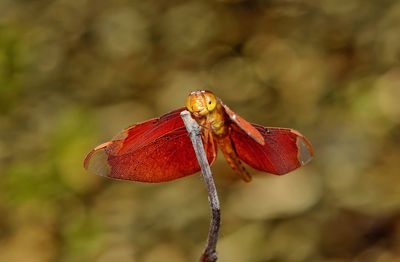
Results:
[210, 253]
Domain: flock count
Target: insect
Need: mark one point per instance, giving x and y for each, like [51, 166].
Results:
[159, 149]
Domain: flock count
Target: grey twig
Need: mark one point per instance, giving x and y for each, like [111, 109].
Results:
[210, 253]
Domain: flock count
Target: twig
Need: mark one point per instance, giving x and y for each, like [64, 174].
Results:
[210, 253]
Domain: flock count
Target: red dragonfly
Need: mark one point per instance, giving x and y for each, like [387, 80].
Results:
[160, 149]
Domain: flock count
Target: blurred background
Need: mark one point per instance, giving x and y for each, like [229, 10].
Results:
[74, 73]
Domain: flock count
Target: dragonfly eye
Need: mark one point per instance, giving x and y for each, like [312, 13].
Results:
[195, 103]
[211, 101]
[189, 104]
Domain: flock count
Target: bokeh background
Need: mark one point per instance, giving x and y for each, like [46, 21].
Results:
[74, 73]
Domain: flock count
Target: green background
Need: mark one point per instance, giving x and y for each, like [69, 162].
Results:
[74, 73]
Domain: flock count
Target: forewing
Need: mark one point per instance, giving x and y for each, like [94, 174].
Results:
[284, 149]
[169, 157]
[143, 133]
[157, 150]
[244, 125]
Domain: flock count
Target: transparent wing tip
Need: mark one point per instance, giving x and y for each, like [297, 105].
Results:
[305, 150]
[96, 162]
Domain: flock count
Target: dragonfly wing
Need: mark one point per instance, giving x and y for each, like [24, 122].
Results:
[145, 132]
[244, 125]
[284, 149]
[154, 151]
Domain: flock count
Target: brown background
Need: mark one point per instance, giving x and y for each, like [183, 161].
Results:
[73, 73]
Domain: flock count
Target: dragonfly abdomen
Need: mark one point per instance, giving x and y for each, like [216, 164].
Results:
[226, 146]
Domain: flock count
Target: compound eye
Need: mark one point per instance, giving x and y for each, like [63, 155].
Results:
[211, 101]
[189, 104]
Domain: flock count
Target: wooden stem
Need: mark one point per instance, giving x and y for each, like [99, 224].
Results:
[210, 253]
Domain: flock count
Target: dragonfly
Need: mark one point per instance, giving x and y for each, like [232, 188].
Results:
[160, 150]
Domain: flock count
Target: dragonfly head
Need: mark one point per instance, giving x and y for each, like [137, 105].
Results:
[200, 103]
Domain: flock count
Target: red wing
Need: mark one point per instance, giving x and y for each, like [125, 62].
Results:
[157, 150]
[143, 133]
[284, 149]
[247, 127]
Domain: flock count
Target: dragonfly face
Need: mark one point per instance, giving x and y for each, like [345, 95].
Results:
[201, 103]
